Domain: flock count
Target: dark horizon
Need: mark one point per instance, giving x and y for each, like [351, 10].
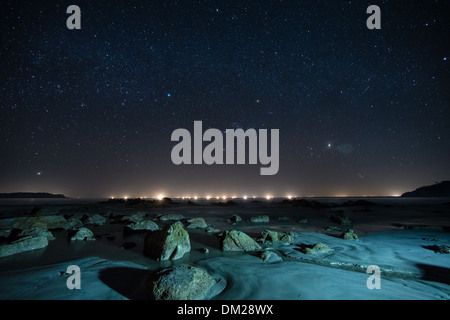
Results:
[90, 112]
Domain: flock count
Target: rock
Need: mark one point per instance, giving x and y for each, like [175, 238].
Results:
[332, 228]
[205, 250]
[38, 233]
[269, 256]
[443, 249]
[142, 225]
[260, 219]
[22, 245]
[96, 220]
[30, 223]
[234, 219]
[135, 217]
[212, 230]
[4, 233]
[181, 282]
[341, 218]
[172, 242]
[83, 234]
[274, 236]
[350, 235]
[74, 224]
[317, 248]
[171, 216]
[239, 241]
[197, 223]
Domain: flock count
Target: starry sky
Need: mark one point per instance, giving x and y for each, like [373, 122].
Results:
[90, 112]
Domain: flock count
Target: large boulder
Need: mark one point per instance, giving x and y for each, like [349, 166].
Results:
[21, 245]
[172, 242]
[238, 241]
[181, 282]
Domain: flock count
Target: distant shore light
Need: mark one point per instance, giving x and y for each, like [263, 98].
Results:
[160, 196]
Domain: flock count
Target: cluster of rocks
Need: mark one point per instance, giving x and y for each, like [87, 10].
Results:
[28, 233]
[270, 237]
[34, 232]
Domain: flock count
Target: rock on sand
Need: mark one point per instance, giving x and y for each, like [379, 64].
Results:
[239, 241]
[172, 242]
[181, 282]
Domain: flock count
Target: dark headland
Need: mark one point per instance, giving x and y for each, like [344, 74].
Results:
[441, 189]
[32, 195]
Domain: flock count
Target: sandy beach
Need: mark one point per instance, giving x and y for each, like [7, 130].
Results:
[405, 238]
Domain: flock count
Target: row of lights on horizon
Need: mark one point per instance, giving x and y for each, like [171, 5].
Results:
[245, 197]
[161, 196]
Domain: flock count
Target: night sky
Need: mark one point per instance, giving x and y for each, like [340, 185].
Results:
[90, 112]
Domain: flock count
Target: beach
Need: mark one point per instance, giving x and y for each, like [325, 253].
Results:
[307, 249]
